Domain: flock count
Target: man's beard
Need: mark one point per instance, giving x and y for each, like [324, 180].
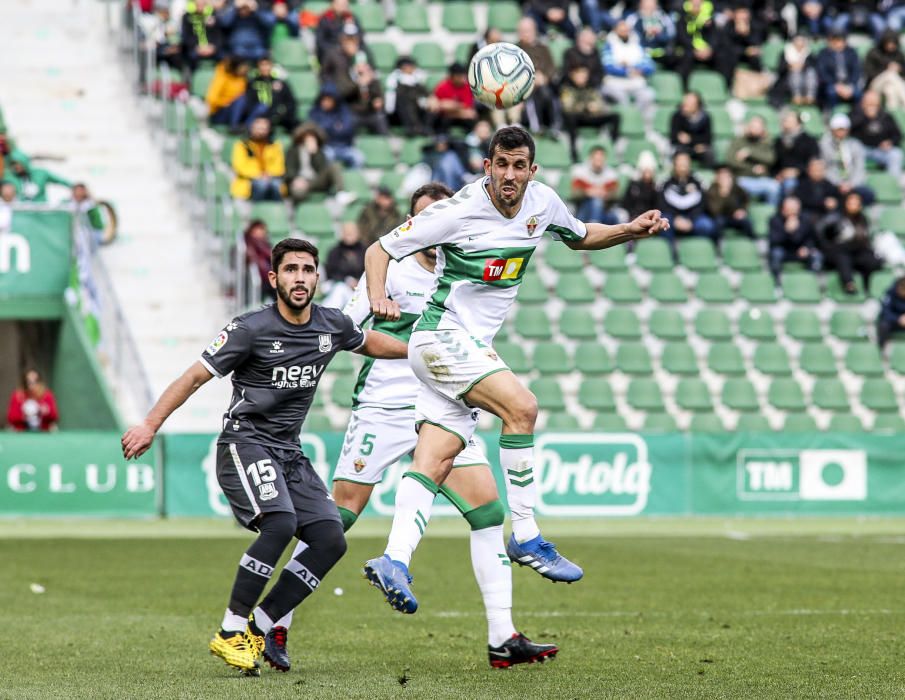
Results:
[286, 295]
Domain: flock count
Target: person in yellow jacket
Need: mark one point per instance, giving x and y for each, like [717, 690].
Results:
[259, 165]
[227, 91]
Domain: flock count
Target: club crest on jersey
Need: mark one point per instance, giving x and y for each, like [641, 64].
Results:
[359, 464]
[267, 492]
[531, 225]
[325, 342]
[496, 269]
[276, 347]
[217, 343]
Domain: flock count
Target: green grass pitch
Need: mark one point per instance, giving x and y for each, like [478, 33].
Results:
[667, 608]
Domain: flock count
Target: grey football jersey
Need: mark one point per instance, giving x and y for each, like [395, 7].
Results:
[276, 368]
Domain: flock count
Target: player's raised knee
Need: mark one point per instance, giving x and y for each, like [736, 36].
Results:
[491, 514]
[522, 415]
[278, 526]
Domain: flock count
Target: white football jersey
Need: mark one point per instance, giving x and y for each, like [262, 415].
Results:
[482, 256]
[391, 383]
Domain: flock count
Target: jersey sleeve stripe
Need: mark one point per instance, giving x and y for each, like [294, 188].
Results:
[564, 233]
[210, 368]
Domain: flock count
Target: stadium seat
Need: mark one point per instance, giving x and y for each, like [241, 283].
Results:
[758, 288]
[667, 288]
[384, 54]
[663, 118]
[739, 395]
[635, 147]
[305, 86]
[886, 188]
[706, 423]
[551, 358]
[710, 84]
[712, 324]
[697, 254]
[654, 254]
[714, 288]
[667, 324]
[532, 322]
[314, 219]
[786, 395]
[752, 423]
[741, 254]
[392, 180]
[317, 422]
[760, 218]
[562, 421]
[610, 259]
[659, 422]
[553, 154]
[597, 395]
[891, 219]
[772, 359]
[609, 423]
[562, 258]
[377, 151]
[632, 122]
[801, 288]
[412, 150]
[879, 396]
[679, 358]
[721, 122]
[201, 81]
[771, 52]
[897, 357]
[633, 358]
[829, 394]
[880, 282]
[817, 359]
[889, 423]
[411, 17]
[622, 288]
[725, 359]
[275, 217]
[835, 291]
[513, 355]
[799, 422]
[342, 390]
[847, 325]
[845, 423]
[430, 55]
[622, 323]
[864, 359]
[292, 55]
[803, 325]
[592, 359]
[768, 114]
[667, 86]
[693, 395]
[503, 15]
[756, 324]
[644, 395]
[532, 289]
[371, 16]
[548, 393]
[812, 121]
[577, 324]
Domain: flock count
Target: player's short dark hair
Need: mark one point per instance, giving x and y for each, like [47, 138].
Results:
[435, 190]
[292, 245]
[509, 138]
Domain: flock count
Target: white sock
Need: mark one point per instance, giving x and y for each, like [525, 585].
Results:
[233, 623]
[517, 461]
[262, 620]
[414, 499]
[286, 620]
[493, 572]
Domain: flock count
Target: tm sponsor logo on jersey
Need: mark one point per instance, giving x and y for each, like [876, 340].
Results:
[496, 269]
[591, 475]
[296, 377]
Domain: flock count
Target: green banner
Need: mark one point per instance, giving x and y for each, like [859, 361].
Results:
[75, 473]
[35, 254]
[627, 474]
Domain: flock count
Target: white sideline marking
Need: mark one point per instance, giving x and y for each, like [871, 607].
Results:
[795, 612]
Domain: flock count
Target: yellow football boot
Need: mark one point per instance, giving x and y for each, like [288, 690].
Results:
[236, 650]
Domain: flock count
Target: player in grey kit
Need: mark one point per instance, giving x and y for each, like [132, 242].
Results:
[277, 356]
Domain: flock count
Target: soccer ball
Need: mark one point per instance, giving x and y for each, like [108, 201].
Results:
[501, 75]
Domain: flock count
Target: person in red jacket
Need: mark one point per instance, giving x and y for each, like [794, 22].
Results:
[32, 407]
[452, 103]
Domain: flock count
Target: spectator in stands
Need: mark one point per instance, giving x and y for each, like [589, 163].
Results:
[338, 123]
[878, 131]
[226, 93]
[818, 195]
[627, 67]
[796, 80]
[257, 256]
[655, 29]
[340, 63]
[7, 199]
[547, 12]
[32, 407]
[727, 204]
[286, 16]
[406, 97]
[844, 156]
[491, 36]
[379, 216]
[884, 66]
[794, 149]
[839, 72]
[751, 157]
[594, 16]
[642, 193]
[690, 131]
[584, 53]
[793, 239]
[594, 188]
[683, 203]
[247, 29]
[696, 38]
[270, 96]
[846, 245]
[307, 169]
[344, 266]
[259, 165]
[331, 25]
[447, 158]
[811, 16]
[744, 37]
[31, 183]
[478, 143]
[368, 105]
[452, 103]
[542, 108]
[201, 36]
[583, 105]
[162, 31]
[858, 15]
[892, 312]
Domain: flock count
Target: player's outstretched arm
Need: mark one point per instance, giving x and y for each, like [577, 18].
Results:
[137, 439]
[601, 236]
[377, 260]
[381, 346]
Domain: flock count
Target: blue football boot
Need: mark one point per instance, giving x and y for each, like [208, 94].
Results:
[392, 578]
[542, 556]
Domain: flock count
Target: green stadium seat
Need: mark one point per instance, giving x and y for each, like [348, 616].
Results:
[845, 423]
[592, 359]
[412, 150]
[752, 423]
[659, 422]
[635, 147]
[610, 259]
[803, 325]
[812, 121]
[609, 423]
[835, 291]
[706, 423]
[644, 395]
[697, 254]
[430, 55]
[771, 53]
[314, 219]
[305, 86]
[621, 288]
[503, 15]
[741, 254]
[342, 363]
[693, 395]
[462, 53]
[458, 17]
[886, 187]
[864, 359]
[879, 396]
[622, 323]
[786, 395]
[760, 215]
[632, 124]
[897, 357]
[391, 180]
[558, 47]
[654, 254]
[801, 288]
[679, 358]
[275, 217]
[847, 325]
[663, 118]
[633, 358]
[201, 81]
[721, 123]
[881, 281]
[385, 55]
[667, 288]
[768, 114]
[799, 422]
[292, 55]
[817, 359]
[532, 322]
[889, 423]
[577, 324]
[342, 390]
[758, 288]
[829, 394]
[411, 17]
[514, 356]
[739, 395]
[562, 258]
[551, 358]
[377, 151]
[371, 16]
[532, 289]
[548, 393]
[316, 422]
[714, 288]
[725, 359]
[562, 421]
[710, 84]
[772, 359]
[553, 154]
[712, 324]
[596, 395]
[667, 86]
[757, 324]
[891, 219]
[667, 324]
